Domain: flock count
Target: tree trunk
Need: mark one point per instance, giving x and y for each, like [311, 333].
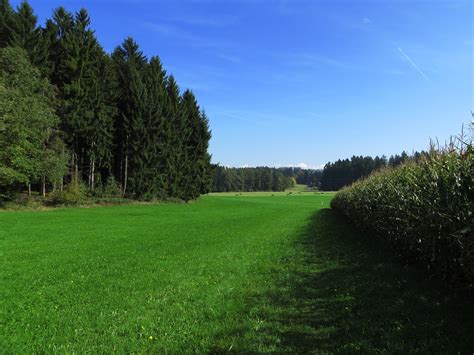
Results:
[125, 176]
[82, 160]
[29, 189]
[43, 185]
[76, 170]
[72, 165]
[89, 176]
[92, 174]
[120, 173]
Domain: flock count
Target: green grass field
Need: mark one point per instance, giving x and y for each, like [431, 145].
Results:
[298, 189]
[253, 272]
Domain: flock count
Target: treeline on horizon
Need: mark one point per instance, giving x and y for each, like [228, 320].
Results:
[262, 178]
[344, 172]
[332, 177]
[73, 114]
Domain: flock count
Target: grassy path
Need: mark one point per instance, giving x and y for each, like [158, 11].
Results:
[239, 273]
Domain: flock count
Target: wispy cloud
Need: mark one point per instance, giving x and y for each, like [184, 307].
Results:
[229, 58]
[366, 20]
[413, 64]
[306, 59]
[183, 35]
[312, 60]
[168, 30]
[220, 21]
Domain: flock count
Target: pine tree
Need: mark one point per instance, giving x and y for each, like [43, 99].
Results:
[189, 170]
[157, 132]
[130, 64]
[174, 116]
[197, 170]
[205, 167]
[25, 33]
[103, 92]
[7, 23]
[52, 39]
[86, 83]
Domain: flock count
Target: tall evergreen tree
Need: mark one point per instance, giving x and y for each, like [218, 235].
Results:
[7, 23]
[205, 168]
[189, 170]
[130, 64]
[155, 139]
[25, 33]
[174, 116]
[85, 80]
[196, 169]
[54, 55]
[147, 140]
[100, 132]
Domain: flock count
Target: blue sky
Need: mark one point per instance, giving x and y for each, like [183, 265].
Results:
[306, 82]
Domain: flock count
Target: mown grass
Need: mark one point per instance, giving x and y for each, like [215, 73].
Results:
[141, 277]
[238, 273]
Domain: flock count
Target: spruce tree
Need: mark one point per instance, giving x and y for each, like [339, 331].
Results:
[53, 40]
[87, 93]
[130, 64]
[196, 169]
[157, 132]
[205, 168]
[175, 117]
[103, 90]
[189, 170]
[25, 33]
[7, 23]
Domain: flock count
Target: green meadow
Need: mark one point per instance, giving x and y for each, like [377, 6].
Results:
[254, 272]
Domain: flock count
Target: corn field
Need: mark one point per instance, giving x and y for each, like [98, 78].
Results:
[424, 209]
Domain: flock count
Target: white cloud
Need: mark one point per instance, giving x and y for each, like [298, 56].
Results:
[304, 166]
[366, 20]
[299, 165]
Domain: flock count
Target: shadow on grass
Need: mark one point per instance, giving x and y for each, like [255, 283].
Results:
[347, 293]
